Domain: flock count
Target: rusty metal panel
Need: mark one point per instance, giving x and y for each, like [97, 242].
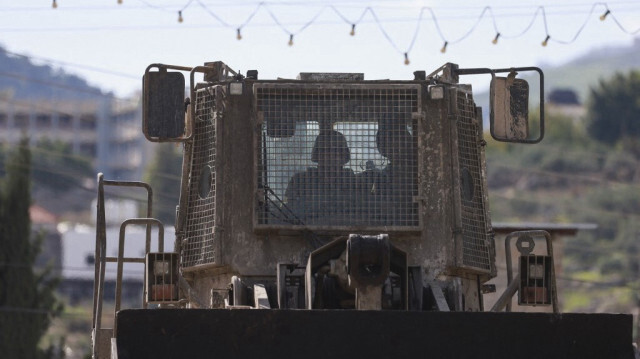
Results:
[370, 131]
[476, 230]
[163, 109]
[198, 245]
[510, 108]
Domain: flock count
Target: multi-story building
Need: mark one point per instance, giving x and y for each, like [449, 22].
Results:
[104, 129]
[126, 151]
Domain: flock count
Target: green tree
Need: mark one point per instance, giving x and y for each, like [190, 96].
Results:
[56, 167]
[163, 174]
[27, 301]
[614, 109]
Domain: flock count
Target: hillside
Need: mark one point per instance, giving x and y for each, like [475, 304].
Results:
[21, 78]
[581, 73]
[585, 71]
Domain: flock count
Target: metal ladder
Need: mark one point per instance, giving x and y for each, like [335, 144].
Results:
[102, 337]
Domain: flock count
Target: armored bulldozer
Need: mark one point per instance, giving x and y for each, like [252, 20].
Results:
[330, 216]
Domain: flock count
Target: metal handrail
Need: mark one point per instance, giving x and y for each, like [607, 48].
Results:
[101, 248]
[512, 285]
[121, 259]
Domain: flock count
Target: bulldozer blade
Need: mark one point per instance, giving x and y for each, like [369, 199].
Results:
[220, 333]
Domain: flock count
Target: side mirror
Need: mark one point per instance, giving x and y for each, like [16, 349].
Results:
[163, 107]
[510, 109]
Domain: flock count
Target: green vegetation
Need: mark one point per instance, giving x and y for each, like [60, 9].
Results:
[586, 170]
[574, 302]
[614, 111]
[27, 301]
[163, 174]
[56, 167]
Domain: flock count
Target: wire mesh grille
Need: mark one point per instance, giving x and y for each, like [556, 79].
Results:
[198, 244]
[339, 156]
[475, 229]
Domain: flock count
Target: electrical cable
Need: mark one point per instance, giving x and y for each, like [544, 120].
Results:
[541, 10]
[622, 285]
[71, 64]
[206, 9]
[96, 92]
[108, 269]
[584, 24]
[585, 178]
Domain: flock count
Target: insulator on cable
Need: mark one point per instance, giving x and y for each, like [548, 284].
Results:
[291, 40]
[604, 16]
[353, 30]
[239, 35]
[180, 19]
[406, 58]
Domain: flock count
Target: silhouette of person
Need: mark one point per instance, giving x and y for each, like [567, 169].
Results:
[397, 182]
[321, 195]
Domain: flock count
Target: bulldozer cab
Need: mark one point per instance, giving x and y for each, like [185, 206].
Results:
[277, 169]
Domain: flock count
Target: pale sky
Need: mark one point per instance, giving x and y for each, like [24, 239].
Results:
[124, 39]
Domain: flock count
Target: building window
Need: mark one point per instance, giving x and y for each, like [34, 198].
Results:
[43, 121]
[3, 120]
[65, 121]
[87, 122]
[21, 121]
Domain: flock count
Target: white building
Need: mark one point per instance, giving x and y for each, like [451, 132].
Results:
[78, 260]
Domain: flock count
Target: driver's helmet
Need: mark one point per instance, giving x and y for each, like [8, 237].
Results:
[330, 147]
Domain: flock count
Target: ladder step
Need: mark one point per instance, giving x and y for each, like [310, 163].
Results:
[124, 259]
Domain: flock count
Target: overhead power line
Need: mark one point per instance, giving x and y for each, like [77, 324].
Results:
[71, 64]
[55, 84]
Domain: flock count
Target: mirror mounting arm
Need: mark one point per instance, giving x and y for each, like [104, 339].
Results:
[481, 71]
[165, 67]
[209, 72]
[217, 71]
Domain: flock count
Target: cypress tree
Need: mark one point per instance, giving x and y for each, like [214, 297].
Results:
[27, 301]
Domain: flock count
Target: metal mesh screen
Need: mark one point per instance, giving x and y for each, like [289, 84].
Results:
[535, 280]
[162, 277]
[475, 229]
[339, 156]
[198, 246]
